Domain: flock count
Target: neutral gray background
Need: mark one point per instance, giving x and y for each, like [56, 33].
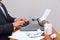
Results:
[35, 8]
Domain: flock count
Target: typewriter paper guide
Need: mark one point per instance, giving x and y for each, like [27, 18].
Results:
[45, 15]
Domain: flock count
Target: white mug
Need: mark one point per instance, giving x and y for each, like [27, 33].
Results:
[48, 28]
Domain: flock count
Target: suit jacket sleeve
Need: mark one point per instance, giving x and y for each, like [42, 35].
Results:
[10, 19]
[6, 29]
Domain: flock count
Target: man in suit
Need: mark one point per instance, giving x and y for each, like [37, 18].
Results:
[7, 23]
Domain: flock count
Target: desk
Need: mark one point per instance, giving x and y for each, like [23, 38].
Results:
[47, 37]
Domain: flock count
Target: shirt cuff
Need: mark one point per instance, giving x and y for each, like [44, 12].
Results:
[14, 28]
[15, 19]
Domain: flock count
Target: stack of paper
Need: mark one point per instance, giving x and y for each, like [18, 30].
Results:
[23, 35]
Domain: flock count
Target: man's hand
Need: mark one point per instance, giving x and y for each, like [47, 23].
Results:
[18, 23]
[21, 19]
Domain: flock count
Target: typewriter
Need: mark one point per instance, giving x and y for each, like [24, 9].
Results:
[35, 23]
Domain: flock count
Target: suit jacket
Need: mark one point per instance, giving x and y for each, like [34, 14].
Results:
[6, 26]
